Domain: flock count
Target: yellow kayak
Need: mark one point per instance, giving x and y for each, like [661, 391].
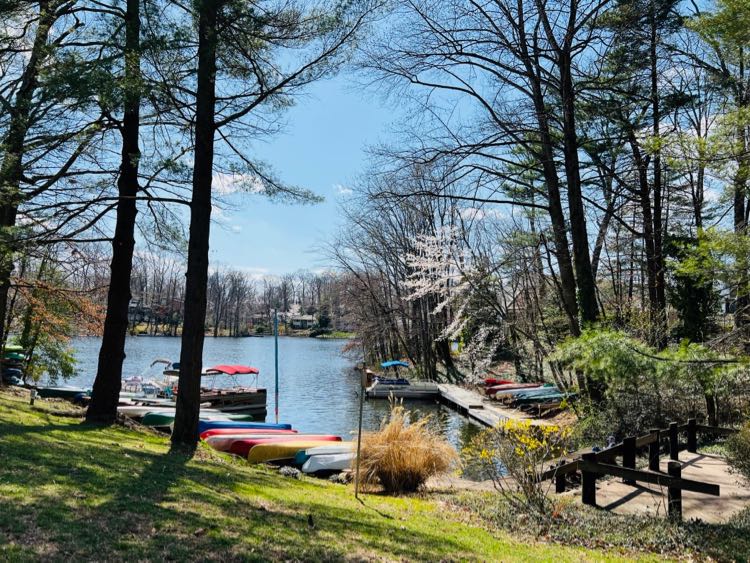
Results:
[281, 450]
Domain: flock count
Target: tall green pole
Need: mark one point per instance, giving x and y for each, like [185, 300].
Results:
[276, 358]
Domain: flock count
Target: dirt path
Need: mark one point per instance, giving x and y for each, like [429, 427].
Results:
[646, 499]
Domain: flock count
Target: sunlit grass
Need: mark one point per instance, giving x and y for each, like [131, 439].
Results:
[76, 492]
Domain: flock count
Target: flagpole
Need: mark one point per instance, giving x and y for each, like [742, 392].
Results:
[276, 358]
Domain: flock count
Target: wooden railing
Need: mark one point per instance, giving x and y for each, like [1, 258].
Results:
[595, 464]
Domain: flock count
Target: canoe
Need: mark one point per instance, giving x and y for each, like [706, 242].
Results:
[165, 419]
[223, 443]
[60, 392]
[490, 381]
[243, 446]
[527, 392]
[336, 448]
[241, 431]
[143, 410]
[281, 450]
[510, 387]
[328, 462]
[204, 425]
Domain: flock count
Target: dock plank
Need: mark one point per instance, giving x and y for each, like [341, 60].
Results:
[479, 408]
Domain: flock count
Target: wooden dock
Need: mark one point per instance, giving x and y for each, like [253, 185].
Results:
[477, 407]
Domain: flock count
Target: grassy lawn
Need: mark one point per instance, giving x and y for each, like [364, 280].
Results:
[69, 491]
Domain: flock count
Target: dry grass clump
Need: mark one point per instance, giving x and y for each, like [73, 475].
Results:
[402, 455]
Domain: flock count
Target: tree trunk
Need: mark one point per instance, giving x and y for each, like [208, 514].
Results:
[11, 169]
[585, 282]
[193, 332]
[106, 391]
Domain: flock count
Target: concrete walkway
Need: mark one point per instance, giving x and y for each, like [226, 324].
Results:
[646, 499]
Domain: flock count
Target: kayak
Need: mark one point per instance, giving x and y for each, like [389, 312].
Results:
[204, 425]
[243, 446]
[328, 462]
[339, 448]
[242, 431]
[165, 419]
[223, 443]
[61, 392]
[281, 450]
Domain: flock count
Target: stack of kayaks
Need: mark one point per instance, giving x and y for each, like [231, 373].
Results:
[278, 443]
[540, 399]
[13, 362]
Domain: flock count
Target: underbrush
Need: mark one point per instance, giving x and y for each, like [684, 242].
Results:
[574, 524]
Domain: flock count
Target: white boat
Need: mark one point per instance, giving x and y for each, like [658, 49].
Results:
[328, 462]
[143, 410]
[413, 390]
[334, 448]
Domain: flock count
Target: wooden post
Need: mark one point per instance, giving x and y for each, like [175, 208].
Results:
[588, 482]
[33, 397]
[692, 436]
[654, 450]
[674, 494]
[560, 480]
[674, 453]
[628, 456]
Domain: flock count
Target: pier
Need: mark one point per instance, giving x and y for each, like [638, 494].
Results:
[477, 407]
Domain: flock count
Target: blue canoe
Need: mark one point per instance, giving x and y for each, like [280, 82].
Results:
[204, 425]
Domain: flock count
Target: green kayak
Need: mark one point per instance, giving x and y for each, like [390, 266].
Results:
[165, 419]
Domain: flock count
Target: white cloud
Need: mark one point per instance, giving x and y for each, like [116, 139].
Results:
[227, 184]
[236, 228]
[341, 189]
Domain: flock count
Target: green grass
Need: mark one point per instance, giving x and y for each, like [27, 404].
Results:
[69, 491]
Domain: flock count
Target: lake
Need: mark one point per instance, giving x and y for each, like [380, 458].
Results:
[318, 389]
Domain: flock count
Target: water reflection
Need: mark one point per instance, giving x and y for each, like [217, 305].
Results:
[318, 390]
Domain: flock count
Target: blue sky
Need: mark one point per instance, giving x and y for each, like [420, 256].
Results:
[323, 149]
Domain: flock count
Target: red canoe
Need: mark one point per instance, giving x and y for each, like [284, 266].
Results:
[242, 447]
[220, 431]
[490, 381]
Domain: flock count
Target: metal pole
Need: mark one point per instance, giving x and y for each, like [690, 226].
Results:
[359, 432]
[276, 359]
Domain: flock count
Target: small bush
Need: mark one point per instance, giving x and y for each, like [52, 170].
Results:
[514, 454]
[402, 455]
[738, 451]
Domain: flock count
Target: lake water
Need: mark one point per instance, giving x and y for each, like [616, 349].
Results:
[318, 389]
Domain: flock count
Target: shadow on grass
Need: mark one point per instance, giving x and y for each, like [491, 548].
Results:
[87, 492]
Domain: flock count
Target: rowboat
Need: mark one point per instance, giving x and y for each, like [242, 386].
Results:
[243, 446]
[281, 450]
[240, 431]
[339, 448]
[165, 419]
[204, 425]
[328, 462]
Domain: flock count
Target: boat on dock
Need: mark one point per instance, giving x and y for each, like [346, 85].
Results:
[424, 390]
[384, 387]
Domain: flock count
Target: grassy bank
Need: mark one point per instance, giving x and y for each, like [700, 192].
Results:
[74, 492]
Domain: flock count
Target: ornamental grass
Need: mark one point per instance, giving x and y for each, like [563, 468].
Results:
[403, 455]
